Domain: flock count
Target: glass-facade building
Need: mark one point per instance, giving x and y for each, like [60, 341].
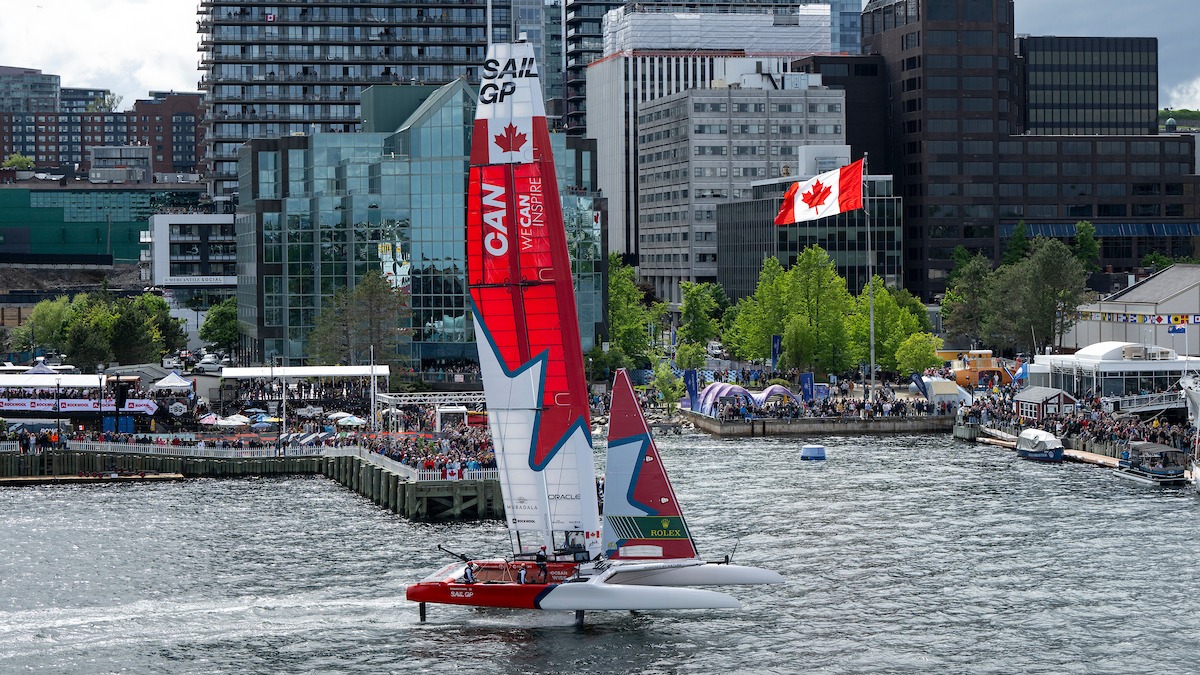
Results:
[1090, 85]
[62, 222]
[747, 235]
[986, 132]
[317, 212]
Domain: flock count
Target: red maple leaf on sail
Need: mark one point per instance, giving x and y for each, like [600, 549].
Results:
[510, 140]
[816, 196]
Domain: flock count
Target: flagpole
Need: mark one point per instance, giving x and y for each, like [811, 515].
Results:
[870, 274]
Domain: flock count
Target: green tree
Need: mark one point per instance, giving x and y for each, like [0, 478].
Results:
[330, 340]
[46, 325]
[629, 318]
[170, 329]
[106, 103]
[817, 302]
[19, 162]
[1087, 247]
[965, 306]
[893, 325]
[351, 323]
[918, 352]
[220, 328]
[1157, 260]
[1018, 246]
[759, 316]
[1057, 287]
[720, 302]
[601, 364]
[139, 338]
[90, 330]
[913, 305]
[690, 355]
[697, 324]
[668, 386]
[380, 319]
[960, 256]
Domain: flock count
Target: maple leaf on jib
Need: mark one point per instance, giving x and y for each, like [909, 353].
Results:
[817, 196]
[510, 140]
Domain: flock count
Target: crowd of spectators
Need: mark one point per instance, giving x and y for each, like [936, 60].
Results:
[1088, 422]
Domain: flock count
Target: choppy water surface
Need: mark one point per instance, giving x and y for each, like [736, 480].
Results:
[902, 554]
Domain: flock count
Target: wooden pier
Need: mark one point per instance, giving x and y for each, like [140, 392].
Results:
[361, 472]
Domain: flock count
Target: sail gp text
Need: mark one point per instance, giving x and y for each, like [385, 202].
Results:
[491, 92]
[530, 214]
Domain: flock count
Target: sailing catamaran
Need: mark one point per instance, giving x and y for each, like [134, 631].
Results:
[531, 361]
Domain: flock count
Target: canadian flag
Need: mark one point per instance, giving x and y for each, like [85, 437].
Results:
[827, 194]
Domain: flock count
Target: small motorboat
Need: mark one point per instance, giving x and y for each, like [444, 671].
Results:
[1039, 446]
[1152, 464]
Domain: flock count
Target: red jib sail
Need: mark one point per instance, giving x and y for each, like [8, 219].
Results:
[524, 305]
[642, 517]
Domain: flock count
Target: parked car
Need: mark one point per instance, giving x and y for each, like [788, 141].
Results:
[207, 367]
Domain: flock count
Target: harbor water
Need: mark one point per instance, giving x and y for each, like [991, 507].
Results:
[901, 553]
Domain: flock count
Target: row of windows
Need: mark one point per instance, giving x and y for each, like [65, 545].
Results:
[703, 107]
[1147, 148]
[1048, 169]
[988, 211]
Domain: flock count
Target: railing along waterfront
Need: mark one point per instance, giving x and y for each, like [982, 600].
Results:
[217, 452]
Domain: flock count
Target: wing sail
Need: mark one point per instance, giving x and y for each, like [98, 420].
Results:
[524, 306]
[642, 517]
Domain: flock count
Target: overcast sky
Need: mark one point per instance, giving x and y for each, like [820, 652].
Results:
[135, 46]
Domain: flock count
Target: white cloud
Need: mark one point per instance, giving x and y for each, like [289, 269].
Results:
[1186, 95]
[128, 46]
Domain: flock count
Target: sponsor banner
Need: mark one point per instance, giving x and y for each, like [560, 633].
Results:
[1177, 329]
[1146, 319]
[649, 527]
[806, 386]
[70, 405]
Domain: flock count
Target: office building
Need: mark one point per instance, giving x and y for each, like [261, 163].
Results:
[747, 235]
[99, 223]
[658, 57]
[1089, 85]
[960, 98]
[703, 147]
[191, 258]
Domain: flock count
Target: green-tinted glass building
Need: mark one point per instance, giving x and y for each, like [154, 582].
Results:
[46, 221]
[317, 212]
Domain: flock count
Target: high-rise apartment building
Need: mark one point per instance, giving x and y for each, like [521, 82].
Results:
[704, 147]
[166, 123]
[296, 66]
[76, 100]
[28, 90]
[963, 116]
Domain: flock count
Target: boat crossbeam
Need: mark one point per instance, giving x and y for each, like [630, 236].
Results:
[579, 618]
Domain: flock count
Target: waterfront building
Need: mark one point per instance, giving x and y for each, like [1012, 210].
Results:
[966, 111]
[703, 147]
[584, 37]
[1161, 309]
[651, 54]
[1113, 369]
[746, 233]
[318, 211]
[77, 100]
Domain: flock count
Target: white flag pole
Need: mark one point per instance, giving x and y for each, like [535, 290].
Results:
[870, 274]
